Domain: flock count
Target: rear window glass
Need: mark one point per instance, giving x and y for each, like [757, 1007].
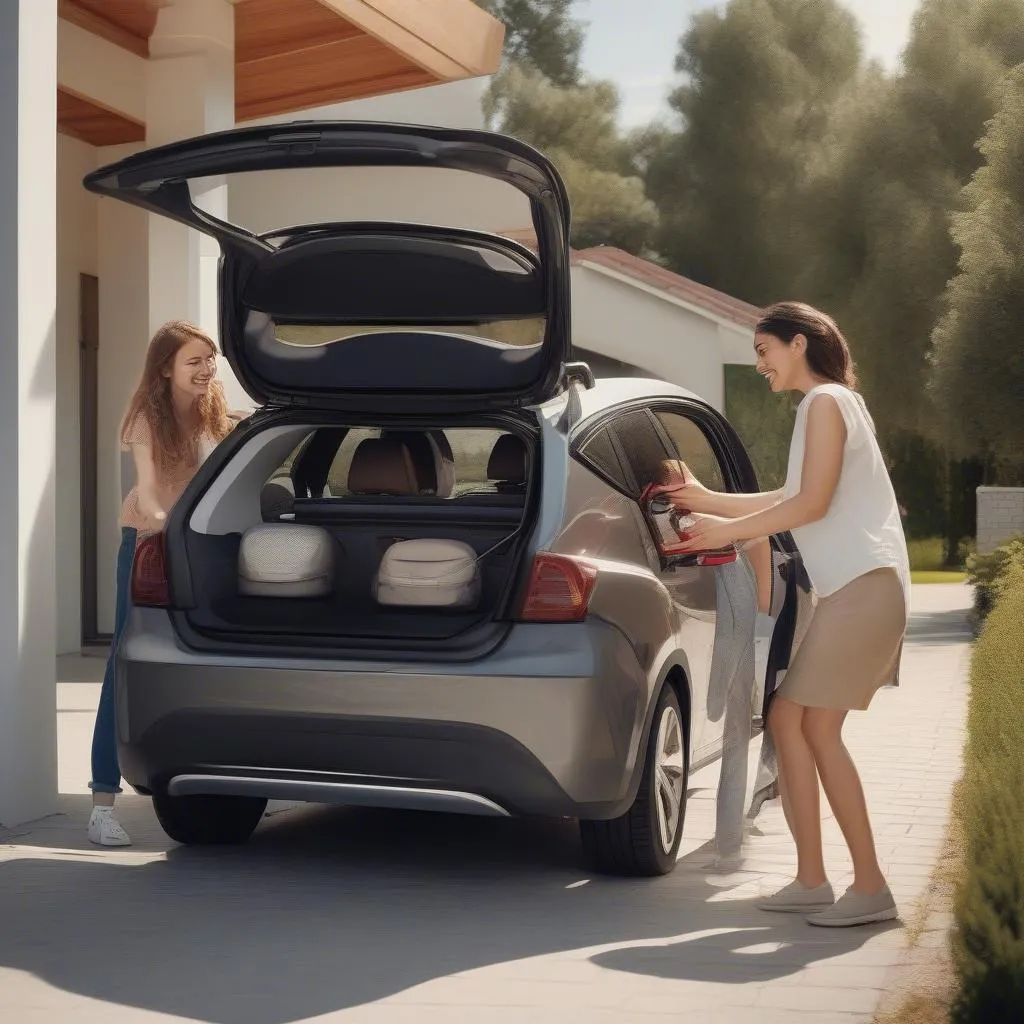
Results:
[449, 463]
[525, 332]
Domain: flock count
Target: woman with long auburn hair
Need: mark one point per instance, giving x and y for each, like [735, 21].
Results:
[839, 505]
[176, 417]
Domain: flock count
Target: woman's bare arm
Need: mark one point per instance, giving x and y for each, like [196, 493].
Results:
[145, 473]
[734, 506]
[693, 496]
[822, 466]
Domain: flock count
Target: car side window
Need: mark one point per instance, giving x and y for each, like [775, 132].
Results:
[693, 447]
[643, 447]
[600, 452]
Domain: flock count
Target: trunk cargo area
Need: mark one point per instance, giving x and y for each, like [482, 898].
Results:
[467, 497]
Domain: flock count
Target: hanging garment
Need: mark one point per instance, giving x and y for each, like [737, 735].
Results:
[731, 694]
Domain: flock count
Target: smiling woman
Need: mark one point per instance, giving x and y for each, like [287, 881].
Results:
[176, 417]
[838, 503]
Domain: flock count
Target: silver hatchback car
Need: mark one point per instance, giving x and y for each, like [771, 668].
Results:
[427, 573]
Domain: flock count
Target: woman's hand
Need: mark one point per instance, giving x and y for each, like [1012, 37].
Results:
[690, 495]
[709, 533]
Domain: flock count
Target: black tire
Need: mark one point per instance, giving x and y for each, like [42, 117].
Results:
[208, 820]
[632, 844]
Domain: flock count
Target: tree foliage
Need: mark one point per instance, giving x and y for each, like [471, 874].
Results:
[878, 210]
[576, 128]
[760, 77]
[978, 355]
[541, 34]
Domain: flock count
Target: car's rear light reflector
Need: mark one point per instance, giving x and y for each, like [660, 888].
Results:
[559, 589]
[150, 588]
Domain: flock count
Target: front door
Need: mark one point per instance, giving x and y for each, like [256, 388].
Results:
[88, 398]
[645, 447]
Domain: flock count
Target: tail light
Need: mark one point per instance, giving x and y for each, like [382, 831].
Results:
[559, 589]
[149, 573]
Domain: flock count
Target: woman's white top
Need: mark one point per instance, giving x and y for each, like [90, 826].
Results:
[862, 530]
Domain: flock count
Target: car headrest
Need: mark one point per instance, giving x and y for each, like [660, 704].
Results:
[382, 466]
[507, 463]
[421, 451]
[276, 499]
[444, 459]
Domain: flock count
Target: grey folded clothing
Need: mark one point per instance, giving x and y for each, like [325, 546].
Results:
[730, 694]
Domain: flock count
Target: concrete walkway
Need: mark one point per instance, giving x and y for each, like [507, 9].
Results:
[377, 918]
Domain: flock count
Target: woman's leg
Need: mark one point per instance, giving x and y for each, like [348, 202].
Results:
[823, 728]
[106, 773]
[799, 785]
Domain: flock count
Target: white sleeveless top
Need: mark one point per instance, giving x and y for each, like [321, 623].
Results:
[862, 530]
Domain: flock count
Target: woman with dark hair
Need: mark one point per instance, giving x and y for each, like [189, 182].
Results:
[176, 417]
[839, 504]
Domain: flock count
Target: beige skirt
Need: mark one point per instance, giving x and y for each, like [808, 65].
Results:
[852, 645]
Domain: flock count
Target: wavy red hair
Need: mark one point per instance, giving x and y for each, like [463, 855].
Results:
[152, 399]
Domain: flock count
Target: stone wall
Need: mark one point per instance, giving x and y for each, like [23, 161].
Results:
[1000, 515]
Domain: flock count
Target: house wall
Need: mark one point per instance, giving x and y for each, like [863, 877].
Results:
[1000, 516]
[111, 241]
[621, 322]
[274, 199]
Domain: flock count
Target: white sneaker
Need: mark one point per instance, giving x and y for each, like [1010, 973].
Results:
[105, 829]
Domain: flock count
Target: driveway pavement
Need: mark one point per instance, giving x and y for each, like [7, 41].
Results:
[376, 918]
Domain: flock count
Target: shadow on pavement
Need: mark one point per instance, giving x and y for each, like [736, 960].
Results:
[328, 909]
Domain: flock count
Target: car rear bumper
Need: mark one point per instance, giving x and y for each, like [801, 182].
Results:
[550, 724]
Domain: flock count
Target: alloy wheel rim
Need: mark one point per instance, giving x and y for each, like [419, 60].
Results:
[668, 793]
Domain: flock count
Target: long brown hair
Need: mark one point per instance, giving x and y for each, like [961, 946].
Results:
[828, 354]
[152, 399]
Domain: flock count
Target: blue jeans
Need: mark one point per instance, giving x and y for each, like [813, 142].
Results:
[106, 773]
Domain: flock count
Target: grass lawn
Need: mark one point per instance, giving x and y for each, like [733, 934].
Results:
[927, 561]
[937, 576]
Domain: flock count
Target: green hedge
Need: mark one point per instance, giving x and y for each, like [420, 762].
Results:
[987, 572]
[988, 943]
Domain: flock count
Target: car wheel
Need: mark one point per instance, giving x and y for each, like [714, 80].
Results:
[208, 820]
[645, 840]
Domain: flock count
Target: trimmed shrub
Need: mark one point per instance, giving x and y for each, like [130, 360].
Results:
[988, 944]
[986, 573]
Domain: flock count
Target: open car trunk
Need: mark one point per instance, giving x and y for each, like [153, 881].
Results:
[241, 583]
[383, 317]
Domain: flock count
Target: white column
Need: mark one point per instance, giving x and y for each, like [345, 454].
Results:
[28, 302]
[190, 91]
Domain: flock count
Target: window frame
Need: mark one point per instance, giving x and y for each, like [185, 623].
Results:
[737, 470]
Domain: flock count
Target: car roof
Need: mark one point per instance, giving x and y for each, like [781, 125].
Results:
[612, 391]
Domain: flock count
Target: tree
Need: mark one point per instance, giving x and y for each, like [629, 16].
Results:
[879, 207]
[760, 77]
[978, 354]
[576, 128]
[879, 215]
[541, 34]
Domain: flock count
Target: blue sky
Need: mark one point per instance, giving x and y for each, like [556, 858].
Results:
[634, 43]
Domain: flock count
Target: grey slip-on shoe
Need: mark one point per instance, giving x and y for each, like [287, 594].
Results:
[798, 899]
[853, 908]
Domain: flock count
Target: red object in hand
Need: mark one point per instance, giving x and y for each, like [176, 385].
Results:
[669, 526]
